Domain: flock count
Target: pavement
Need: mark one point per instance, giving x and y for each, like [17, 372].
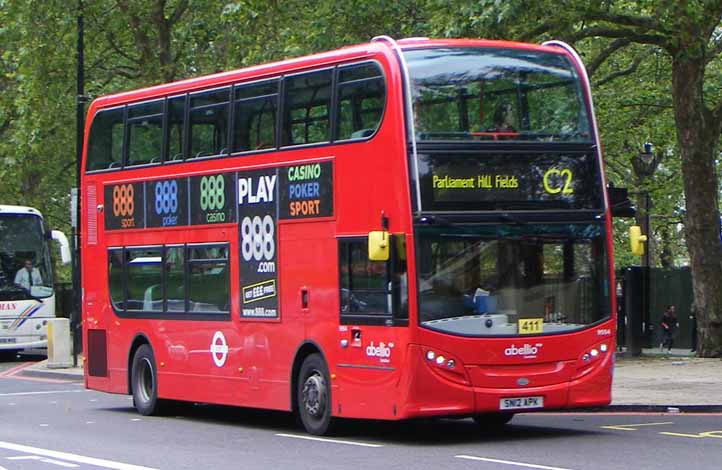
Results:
[655, 381]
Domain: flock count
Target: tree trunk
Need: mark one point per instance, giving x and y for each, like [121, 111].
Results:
[697, 138]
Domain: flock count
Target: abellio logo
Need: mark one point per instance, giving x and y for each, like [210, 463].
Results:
[382, 350]
[527, 350]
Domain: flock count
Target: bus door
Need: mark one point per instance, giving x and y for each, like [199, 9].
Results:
[373, 318]
[308, 285]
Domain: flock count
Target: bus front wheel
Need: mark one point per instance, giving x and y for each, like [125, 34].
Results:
[314, 395]
[144, 383]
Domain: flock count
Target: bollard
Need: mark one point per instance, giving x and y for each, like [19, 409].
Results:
[59, 343]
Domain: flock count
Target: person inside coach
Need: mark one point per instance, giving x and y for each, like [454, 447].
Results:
[28, 276]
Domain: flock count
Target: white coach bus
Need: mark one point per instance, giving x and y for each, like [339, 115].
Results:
[27, 296]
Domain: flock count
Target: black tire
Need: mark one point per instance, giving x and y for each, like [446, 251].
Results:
[491, 421]
[144, 382]
[7, 355]
[313, 396]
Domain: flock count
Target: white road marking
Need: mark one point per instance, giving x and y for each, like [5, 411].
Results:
[44, 425]
[43, 459]
[72, 457]
[48, 392]
[135, 419]
[332, 441]
[509, 462]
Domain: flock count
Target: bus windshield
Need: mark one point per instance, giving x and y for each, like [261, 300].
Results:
[481, 280]
[24, 258]
[496, 94]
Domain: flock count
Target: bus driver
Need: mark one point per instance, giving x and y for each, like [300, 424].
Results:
[28, 276]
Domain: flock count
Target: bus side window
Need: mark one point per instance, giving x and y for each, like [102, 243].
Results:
[361, 96]
[175, 279]
[254, 118]
[307, 106]
[105, 142]
[209, 283]
[209, 123]
[144, 280]
[116, 278]
[372, 292]
[175, 129]
[145, 133]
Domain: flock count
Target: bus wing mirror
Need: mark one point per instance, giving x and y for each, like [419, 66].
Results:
[379, 245]
[60, 237]
[636, 240]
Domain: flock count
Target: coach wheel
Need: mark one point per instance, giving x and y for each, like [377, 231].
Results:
[492, 420]
[144, 383]
[8, 354]
[314, 395]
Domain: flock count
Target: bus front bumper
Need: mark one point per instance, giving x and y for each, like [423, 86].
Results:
[436, 391]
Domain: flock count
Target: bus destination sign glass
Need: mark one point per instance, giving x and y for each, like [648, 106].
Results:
[511, 182]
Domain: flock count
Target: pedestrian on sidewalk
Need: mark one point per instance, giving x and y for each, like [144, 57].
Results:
[669, 325]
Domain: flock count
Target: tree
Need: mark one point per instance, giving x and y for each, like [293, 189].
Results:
[689, 34]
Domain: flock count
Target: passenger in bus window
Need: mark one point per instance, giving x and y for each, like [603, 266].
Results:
[28, 276]
[503, 118]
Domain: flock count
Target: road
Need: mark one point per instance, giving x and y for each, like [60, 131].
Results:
[50, 425]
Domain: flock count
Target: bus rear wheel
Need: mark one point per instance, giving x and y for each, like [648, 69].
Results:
[491, 421]
[314, 396]
[144, 383]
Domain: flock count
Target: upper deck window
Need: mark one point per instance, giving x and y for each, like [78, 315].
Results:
[361, 93]
[145, 133]
[254, 125]
[209, 123]
[307, 108]
[106, 140]
[496, 94]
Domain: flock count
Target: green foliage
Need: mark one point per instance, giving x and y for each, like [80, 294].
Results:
[134, 43]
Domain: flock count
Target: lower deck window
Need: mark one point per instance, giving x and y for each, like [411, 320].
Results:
[185, 279]
[372, 292]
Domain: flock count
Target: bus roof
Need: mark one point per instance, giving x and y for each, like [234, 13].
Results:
[294, 65]
[7, 209]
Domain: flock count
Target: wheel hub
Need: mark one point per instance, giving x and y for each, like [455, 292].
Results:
[314, 395]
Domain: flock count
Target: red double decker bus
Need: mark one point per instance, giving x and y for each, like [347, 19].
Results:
[390, 230]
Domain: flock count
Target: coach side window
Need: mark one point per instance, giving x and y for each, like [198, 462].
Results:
[145, 133]
[209, 123]
[254, 116]
[105, 142]
[361, 93]
[307, 108]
